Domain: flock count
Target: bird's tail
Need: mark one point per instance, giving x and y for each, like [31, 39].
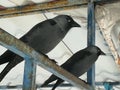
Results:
[51, 79]
[17, 59]
[59, 81]
[6, 57]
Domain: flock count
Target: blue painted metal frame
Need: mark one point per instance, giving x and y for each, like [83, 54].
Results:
[62, 85]
[108, 86]
[29, 81]
[91, 40]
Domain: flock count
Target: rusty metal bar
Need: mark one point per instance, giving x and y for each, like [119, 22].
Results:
[20, 48]
[49, 7]
[37, 8]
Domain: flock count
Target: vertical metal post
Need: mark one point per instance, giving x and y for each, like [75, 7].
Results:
[29, 82]
[91, 40]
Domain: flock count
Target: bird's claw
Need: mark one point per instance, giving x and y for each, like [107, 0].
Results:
[84, 81]
[53, 61]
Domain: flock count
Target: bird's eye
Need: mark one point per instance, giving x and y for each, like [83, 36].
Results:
[98, 50]
[69, 20]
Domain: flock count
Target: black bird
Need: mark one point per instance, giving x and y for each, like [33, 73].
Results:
[78, 64]
[43, 37]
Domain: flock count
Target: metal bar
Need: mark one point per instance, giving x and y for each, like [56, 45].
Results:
[49, 7]
[20, 48]
[108, 86]
[111, 83]
[91, 40]
[51, 85]
[37, 86]
[37, 8]
[29, 82]
[105, 1]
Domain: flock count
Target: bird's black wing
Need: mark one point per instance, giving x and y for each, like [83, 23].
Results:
[6, 57]
[49, 80]
[80, 55]
[58, 82]
[52, 22]
[17, 59]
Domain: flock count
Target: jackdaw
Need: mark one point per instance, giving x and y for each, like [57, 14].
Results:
[43, 37]
[77, 64]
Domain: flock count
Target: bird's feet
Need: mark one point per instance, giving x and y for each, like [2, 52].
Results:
[84, 81]
[53, 61]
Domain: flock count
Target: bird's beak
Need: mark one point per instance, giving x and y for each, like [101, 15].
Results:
[74, 24]
[102, 53]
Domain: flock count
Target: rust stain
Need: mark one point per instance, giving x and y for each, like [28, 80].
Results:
[34, 7]
[118, 61]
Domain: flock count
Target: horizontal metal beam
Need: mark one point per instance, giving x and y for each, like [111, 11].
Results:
[111, 83]
[52, 6]
[105, 1]
[51, 85]
[37, 8]
[20, 48]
